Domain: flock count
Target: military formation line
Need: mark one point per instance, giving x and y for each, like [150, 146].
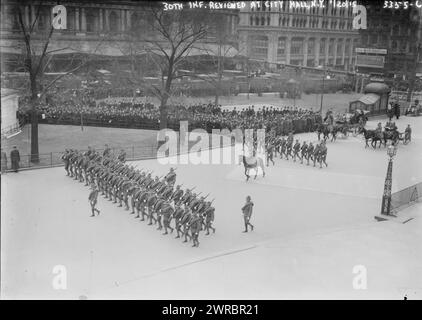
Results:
[289, 148]
[154, 200]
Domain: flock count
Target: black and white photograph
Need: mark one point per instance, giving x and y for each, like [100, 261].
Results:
[211, 150]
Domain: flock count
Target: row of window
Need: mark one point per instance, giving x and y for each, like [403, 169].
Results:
[259, 46]
[260, 20]
[94, 20]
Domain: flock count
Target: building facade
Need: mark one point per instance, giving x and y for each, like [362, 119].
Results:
[287, 34]
[89, 23]
[397, 33]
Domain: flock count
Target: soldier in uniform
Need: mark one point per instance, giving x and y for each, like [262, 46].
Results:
[247, 213]
[122, 156]
[157, 209]
[107, 151]
[195, 227]
[167, 192]
[289, 146]
[167, 212]
[310, 152]
[184, 222]
[323, 155]
[316, 154]
[303, 151]
[177, 215]
[135, 199]
[296, 150]
[65, 158]
[170, 178]
[142, 204]
[209, 218]
[283, 147]
[177, 195]
[92, 198]
[270, 153]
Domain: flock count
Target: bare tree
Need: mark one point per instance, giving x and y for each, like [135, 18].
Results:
[217, 55]
[172, 37]
[37, 58]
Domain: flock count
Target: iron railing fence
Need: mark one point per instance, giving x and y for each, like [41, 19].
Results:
[406, 197]
[133, 152]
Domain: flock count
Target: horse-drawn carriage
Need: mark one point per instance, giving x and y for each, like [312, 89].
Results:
[349, 123]
[388, 134]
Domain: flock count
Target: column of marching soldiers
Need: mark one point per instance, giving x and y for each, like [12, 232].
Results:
[316, 153]
[153, 199]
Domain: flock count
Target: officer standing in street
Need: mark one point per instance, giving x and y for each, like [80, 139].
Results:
[15, 159]
[93, 196]
[247, 213]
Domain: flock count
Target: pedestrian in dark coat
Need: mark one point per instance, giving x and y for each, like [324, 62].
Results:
[15, 158]
[3, 161]
[397, 110]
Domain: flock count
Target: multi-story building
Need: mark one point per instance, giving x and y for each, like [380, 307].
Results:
[315, 36]
[88, 23]
[395, 32]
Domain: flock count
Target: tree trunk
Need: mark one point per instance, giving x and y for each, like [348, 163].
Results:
[34, 136]
[163, 112]
[217, 94]
[34, 122]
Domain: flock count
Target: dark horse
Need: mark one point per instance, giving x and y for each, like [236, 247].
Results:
[371, 135]
[326, 129]
[253, 163]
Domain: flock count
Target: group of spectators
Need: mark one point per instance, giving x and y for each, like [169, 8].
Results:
[129, 114]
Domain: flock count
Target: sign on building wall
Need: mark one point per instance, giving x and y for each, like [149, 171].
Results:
[371, 51]
[363, 60]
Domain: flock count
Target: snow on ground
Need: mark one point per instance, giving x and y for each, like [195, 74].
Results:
[312, 227]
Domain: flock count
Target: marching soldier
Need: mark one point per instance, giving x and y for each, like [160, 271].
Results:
[270, 153]
[184, 222]
[177, 195]
[283, 147]
[107, 151]
[151, 200]
[167, 192]
[296, 150]
[135, 199]
[171, 177]
[195, 227]
[323, 155]
[209, 218]
[310, 152]
[167, 212]
[122, 155]
[316, 153]
[304, 151]
[143, 205]
[289, 146]
[177, 215]
[157, 209]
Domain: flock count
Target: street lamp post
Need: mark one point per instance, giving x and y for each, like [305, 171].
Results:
[386, 198]
[323, 87]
